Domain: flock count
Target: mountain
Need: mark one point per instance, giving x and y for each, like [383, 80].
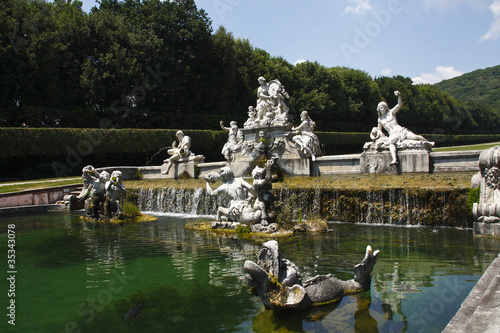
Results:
[481, 86]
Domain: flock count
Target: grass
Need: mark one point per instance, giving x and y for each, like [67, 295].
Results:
[361, 181]
[443, 180]
[356, 182]
[480, 146]
[17, 186]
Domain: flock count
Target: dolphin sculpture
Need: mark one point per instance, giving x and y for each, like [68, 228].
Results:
[279, 285]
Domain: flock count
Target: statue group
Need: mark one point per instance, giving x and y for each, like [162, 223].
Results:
[102, 194]
[250, 204]
[268, 133]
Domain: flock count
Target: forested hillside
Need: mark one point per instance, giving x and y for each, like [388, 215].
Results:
[481, 87]
[159, 64]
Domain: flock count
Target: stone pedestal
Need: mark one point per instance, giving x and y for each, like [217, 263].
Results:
[486, 229]
[179, 170]
[410, 160]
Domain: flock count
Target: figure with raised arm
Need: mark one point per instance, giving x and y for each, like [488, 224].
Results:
[387, 120]
[233, 143]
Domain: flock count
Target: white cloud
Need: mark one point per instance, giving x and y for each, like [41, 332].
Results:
[359, 7]
[494, 32]
[444, 5]
[386, 72]
[441, 73]
[299, 61]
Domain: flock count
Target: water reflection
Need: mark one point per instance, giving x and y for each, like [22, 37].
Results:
[194, 280]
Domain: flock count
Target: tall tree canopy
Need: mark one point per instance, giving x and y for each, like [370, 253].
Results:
[159, 64]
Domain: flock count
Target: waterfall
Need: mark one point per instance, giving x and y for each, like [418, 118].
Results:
[179, 201]
[395, 206]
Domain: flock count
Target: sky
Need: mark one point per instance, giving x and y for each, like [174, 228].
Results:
[426, 40]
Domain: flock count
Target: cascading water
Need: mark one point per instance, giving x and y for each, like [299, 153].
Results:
[179, 201]
[396, 206]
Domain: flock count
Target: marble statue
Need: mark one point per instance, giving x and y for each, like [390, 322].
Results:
[264, 100]
[240, 208]
[252, 120]
[267, 133]
[271, 106]
[262, 183]
[102, 194]
[94, 204]
[488, 208]
[305, 140]
[115, 191]
[234, 140]
[279, 284]
[250, 204]
[397, 134]
[180, 152]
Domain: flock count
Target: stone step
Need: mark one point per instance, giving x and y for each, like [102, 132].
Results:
[480, 312]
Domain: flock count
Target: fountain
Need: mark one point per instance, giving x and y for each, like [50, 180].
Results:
[268, 133]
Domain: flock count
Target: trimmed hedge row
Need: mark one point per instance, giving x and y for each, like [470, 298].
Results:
[25, 142]
[28, 142]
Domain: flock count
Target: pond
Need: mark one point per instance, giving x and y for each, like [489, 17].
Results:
[73, 276]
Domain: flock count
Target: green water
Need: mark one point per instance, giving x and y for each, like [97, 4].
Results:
[79, 277]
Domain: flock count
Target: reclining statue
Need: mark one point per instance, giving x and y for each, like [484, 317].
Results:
[397, 134]
[238, 190]
[279, 285]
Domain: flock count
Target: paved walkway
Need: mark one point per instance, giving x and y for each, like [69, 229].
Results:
[480, 312]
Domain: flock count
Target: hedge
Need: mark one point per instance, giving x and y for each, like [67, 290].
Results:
[28, 142]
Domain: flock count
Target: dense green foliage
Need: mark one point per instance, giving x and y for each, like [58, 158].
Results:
[158, 64]
[480, 89]
[30, 151]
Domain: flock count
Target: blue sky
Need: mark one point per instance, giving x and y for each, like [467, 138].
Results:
[427, 40]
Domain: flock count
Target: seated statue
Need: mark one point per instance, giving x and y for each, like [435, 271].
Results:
[279, 285]
[387, 120]
[181, 152]
[240, 208]
[115, 191]
[305, 140]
